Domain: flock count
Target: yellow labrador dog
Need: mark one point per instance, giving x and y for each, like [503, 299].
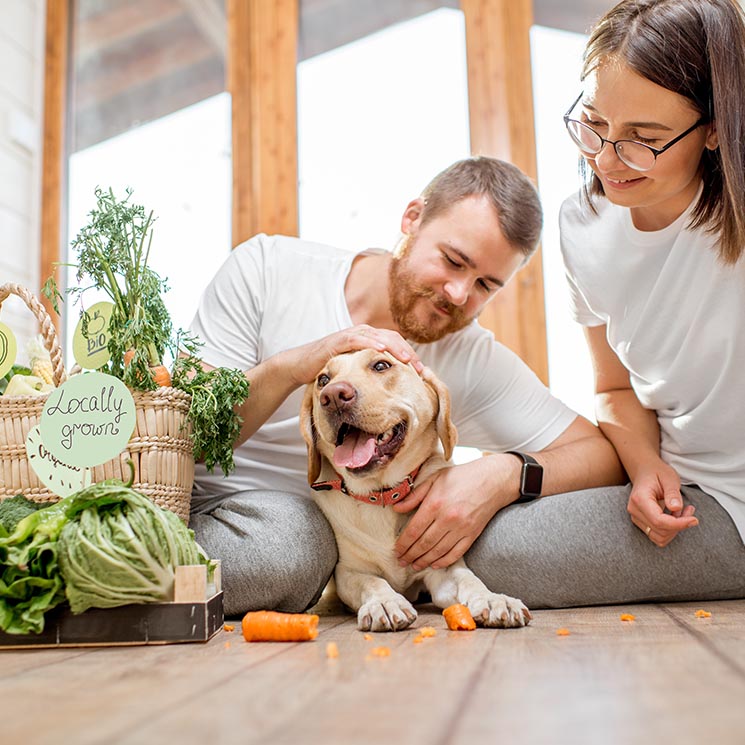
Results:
[374, 428]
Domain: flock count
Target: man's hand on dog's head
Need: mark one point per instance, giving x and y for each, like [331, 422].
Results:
[304, 362]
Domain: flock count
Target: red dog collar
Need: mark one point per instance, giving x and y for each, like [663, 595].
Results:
[383, 496]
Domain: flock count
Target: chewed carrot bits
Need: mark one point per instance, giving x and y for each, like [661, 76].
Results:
[702, 614]
[459, 618]
[628, 617]
[427, 631]
[368, 637]
[332, 651]
[418, 639]
[228, 627]
[563, 632]
[380, 652]
[272, 626]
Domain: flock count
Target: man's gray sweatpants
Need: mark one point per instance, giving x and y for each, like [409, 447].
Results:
[276, 549]
[581, 548]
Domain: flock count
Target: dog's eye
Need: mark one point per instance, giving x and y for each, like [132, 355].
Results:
[381, 365]
[322, 380]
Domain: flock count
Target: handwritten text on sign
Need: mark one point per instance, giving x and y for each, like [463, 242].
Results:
[88, 420]
[57, 476]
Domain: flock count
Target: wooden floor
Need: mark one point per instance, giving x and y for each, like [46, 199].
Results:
[667, 677]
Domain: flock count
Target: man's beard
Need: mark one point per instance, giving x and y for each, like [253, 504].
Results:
[404, 294]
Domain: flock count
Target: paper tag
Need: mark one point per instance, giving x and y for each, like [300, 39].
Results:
[8, 349]
[58, 477]
[88, 420]
[91, 350]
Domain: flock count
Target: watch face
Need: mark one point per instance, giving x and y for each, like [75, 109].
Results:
[532, 479]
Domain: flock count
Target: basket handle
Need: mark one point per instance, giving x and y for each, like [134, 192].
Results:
[48, 331]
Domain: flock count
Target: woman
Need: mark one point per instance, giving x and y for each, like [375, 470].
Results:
[653, 250]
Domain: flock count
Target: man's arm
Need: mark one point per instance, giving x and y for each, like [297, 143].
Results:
[456, 503]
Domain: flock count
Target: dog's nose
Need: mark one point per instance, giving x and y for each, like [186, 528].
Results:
[340, 395]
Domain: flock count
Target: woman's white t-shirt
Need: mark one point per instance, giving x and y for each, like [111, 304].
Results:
[275, 293]
[675, 316]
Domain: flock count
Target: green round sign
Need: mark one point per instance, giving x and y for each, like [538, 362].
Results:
[88, 420]
[58, 477]
[90, 346]
[8, 349]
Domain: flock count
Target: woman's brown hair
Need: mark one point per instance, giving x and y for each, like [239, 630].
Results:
[695, 48]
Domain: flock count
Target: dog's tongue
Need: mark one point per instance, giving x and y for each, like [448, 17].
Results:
[356, 451]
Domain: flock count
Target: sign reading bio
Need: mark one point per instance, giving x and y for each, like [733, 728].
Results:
[90, 347]
[88, 420]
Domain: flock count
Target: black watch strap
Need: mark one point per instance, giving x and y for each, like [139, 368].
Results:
[531, 477]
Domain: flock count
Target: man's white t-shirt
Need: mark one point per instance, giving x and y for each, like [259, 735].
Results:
[275, 293]
[675, 316]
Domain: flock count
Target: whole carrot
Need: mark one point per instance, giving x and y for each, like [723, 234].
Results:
[459, 618]
[271, 626]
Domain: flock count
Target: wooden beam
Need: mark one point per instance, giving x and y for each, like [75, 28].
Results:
[501, 119]
[54, 158]
[262, 63]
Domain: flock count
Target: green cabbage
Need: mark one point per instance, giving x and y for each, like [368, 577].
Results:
[103, 546]
[122, 549]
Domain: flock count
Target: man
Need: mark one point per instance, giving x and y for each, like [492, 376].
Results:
[280, 308]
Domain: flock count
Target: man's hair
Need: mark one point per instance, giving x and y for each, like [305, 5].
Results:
[695, 48]
[510, 191]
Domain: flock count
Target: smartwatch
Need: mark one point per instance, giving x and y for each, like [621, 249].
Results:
[531, 477]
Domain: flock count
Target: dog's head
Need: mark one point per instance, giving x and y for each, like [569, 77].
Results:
[374, 418]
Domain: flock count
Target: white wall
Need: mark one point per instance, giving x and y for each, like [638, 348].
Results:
[21, 111]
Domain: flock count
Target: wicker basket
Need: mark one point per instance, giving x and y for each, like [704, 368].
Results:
[160, 446]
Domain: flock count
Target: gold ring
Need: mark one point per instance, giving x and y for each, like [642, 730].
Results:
[648, 529]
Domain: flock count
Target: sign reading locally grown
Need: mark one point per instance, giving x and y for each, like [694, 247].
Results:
[88, 420]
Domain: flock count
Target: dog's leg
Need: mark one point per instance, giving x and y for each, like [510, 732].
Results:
[458, 584]
[379, 607]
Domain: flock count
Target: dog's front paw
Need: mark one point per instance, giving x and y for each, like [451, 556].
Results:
[498, 611]
[392, 614]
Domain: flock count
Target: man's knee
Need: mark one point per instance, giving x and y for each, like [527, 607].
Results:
[278, 550]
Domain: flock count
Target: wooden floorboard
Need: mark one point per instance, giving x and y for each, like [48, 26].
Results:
[667, 677]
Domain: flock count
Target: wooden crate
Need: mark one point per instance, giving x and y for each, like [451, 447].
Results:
[195, 615]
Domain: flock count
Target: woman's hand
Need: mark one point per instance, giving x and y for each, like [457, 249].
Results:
[307, 360]
[656, 505]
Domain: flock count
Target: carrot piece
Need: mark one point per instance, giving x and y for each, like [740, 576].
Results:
[427, 631]
[702, 614]
[418, 639]
[271, 626]
[563, 632]
[332, 651]
[160, 373]
[380, 652]
[228, 627]
[368, 637]
[459, 618]
[627, 617]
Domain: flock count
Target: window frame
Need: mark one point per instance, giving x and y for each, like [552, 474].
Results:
[261, 78]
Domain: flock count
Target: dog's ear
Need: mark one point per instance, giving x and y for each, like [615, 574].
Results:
[445, 428]
[309, 434]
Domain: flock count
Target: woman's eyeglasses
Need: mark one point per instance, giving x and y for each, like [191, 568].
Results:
[634, 154]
